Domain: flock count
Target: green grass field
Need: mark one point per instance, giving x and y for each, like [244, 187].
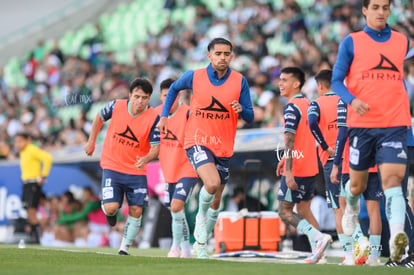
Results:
[73, 260]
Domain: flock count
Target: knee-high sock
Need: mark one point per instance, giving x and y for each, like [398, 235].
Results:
[351, 199]
[131, 230]
[358, 235]
[375, 241]
[395, 209]
[211, 219]
[177, 226]
[311, 232]
[205, 200]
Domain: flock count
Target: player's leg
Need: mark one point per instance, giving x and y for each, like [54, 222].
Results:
[302, 197]
[180, 229]
[338, 204]
[136, 202]
[213, 211]
[373, 194]
[409, 218]
[392, 161]
[111, 195]
[361, 157]
[347, 242]
[222, 165]
[31, 197]
[204, 162]
[176, 222]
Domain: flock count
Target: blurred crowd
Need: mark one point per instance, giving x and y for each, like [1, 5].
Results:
[68, 220]
[266, 37]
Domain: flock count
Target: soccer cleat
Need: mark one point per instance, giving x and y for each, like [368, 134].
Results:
[173, 253]
[390, 263]
[123, 253]
[408, 262]
[362, 251]
[350, 219]
[321, 246]
[200, 230]
[111, 220]
[398, 243]
[200, 250]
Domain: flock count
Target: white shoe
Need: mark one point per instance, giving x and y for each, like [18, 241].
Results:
[362, 251]
[174, 253]
[350, 219]
[398, 243]
[200, 250]
[321, 246]
[200, 230]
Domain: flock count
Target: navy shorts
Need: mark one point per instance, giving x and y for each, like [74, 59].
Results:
[332, 190]
[180, 190]
[374, 187]
[305, 191]
[200, 155]
[370, 146]
[115, 185]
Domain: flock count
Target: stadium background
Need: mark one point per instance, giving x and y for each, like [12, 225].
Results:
[61, 61]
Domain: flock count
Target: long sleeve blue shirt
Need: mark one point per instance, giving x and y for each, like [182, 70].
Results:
[345, 58]
[186, 82]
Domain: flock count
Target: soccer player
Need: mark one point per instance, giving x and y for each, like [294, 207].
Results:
[178, 172]
[35, 165]
[299, 165]
[372, 60]
[219, 96]
[369, 251]
[323, 124]
[131, 141]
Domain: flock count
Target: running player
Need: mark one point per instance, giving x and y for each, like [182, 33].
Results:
[178, 172]
[220, 95]
[131, 141]
[369, 251]
[372, 63]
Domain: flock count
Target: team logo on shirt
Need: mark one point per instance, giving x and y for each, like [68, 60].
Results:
[385, 64]
[215, 110]
[385, 70]
[170, 136]
[127, 138]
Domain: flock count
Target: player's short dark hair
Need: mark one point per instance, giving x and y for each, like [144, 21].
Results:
[297, 73]
[218, 41]
[166, 83]
[141, 83]
[24, 135]
[324, 77]
[365, 3]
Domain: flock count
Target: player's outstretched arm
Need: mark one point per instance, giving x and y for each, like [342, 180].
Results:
[96, 126]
